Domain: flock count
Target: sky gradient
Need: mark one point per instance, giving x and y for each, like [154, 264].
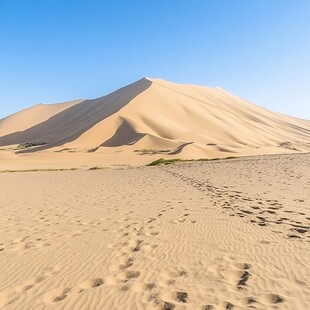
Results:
[59, 50]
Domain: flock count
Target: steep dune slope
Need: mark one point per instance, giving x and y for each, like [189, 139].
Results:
[158, 117]
[193, 114]
[71, 123]
[32, 116]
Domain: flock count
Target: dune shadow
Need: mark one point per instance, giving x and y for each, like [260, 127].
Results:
[71, 123]
[124, 135]
[179, 149]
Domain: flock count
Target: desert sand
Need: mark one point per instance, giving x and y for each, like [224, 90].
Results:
[231, 234]
[142, 122]
[109, 232]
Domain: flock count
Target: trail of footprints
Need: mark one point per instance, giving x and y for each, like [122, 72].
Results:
[131, 244]
[10, 295]
[156, 294]
[119, 274]
[263, 212]
[57, 295]
[122, 273]
[130, 241]
[236, 278]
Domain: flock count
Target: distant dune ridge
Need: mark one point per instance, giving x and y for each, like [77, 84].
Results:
[154, 117]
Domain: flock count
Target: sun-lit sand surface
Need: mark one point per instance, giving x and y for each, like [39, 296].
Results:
[116, 234]
[144, 121]
[231, 234]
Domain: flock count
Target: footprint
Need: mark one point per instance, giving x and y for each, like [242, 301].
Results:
[181, 297]
[275, 298]
[243, 279]
[242, 275]
[128, 275]
[132, 274]
[144, 287]
[128, 264]
[168, 306]
[150, 286]
[293, 236]
[93, 283]
[62, 296]
[271, 299]
[229, 306]
[251, 300]
[56, 295]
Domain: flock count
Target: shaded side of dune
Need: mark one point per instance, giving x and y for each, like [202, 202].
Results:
[124, 135]
[68, 125]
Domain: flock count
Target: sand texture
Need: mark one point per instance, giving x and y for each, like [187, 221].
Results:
[142, 122]
[230, 234]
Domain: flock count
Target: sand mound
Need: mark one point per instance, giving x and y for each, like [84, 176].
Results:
[35, 115]
[157, 116]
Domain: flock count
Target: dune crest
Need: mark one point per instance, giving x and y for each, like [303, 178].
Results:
[152, 116]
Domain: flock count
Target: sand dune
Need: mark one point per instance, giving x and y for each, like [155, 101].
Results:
[33, 116]
[152, 116]
[73, 121]
[114, 234]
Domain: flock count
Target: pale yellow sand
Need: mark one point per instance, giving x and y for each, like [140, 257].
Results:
[207, 235]
[28, 118]
[144, 121]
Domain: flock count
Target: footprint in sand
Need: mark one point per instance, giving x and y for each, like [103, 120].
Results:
[175, 297]
[57, 295]
[273, 299]
[240, 276]
[10, 295]
[92, 283]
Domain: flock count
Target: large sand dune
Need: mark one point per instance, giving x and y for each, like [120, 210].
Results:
[227, 234]
[148, 119]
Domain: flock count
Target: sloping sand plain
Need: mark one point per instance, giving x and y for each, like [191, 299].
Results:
[231, 234]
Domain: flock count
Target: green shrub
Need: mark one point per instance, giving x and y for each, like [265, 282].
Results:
[163, 161]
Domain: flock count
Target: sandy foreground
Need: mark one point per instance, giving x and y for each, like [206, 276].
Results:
[231, 234]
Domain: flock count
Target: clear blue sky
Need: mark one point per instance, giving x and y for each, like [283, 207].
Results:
[58, 50]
